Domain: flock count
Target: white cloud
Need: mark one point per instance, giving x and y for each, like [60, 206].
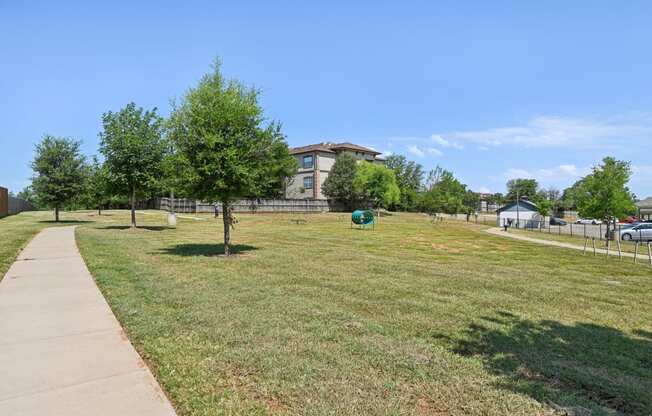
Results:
[386, 153]
[445, 143]
[484, 190]
[567, 132]
[556, 173]
[434, 151]
[414, 150]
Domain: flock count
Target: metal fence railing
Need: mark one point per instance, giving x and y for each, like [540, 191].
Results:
[624, 232]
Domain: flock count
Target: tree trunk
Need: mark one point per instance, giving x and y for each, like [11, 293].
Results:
[133, 207]
[99, 210]
[226, 218]
[56, 214]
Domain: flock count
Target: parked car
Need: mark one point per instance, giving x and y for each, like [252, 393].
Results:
[630, 219]
[640, 232]
[557, 221]
[592, 221]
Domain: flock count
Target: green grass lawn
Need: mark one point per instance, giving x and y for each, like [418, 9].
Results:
[412, 318]
[17, 230]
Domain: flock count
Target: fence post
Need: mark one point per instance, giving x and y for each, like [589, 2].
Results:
[635, 252]
[593, 240]
[607, 247]
[620, 255]
[649, 252]
[571, 228]
[585, 243]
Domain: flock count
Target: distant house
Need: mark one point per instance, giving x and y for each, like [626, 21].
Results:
[315, 163]
[522, 214]
[645, 208]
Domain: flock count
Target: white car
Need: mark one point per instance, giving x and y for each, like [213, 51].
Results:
[591, 221]
[640, 232]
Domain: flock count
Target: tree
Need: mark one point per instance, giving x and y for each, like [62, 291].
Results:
[97, 185]
[604, 193]
[543, 208]
[28, 195]
[133, 151]
[524, 188]
[376, 184]
[571, 195]
[220, 129]
[58, 172]
[409, 177]
[338, 186]
[448, 195]
[433, 177]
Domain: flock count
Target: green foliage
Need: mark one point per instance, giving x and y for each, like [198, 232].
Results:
[543, 207]
[58, 172]
[604, 193]
[133, 151]
[525, 188]
[571, 195]
[28, 194]
[97, 185]
[448, 195]
[220, 130]
[376, 184]
[338, 186]
[409, 177]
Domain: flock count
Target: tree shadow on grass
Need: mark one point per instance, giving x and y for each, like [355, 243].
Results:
[65, 222]
[207, 250]
[584, 368]
[140, 227]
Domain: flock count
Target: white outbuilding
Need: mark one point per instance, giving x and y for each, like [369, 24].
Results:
[523, 214]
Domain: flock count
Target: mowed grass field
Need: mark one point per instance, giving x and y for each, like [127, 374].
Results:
[412, 318]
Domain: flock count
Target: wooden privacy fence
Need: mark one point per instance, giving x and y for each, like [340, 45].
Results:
[11, 205]
[252, 206]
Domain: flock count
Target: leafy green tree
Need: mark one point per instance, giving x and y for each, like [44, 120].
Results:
[97, 185]
[604, 193]
[28, 195]
[409, 177]
[543, 208]
[376, 184]
[58, 172]
[470, 202]
[133, 152]
[525, 188]
[571, 195]
[220, 129]
[338, 186]
[446, 196]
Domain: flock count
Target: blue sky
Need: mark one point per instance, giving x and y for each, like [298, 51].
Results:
[489, 90]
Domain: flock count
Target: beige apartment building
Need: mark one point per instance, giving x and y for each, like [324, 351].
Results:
[316, 161]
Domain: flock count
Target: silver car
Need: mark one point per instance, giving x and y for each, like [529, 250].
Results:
[640, 232]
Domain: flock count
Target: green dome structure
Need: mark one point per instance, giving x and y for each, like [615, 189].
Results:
[363, 218]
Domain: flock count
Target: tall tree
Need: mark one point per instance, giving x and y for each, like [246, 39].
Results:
[58, 172]
[571, 195]
[604, 193]
[220, 129]
[97, 185]
[28, 195]
[524, 188]
[409, 177]
[433, 177]
[338, 185]
[448, 195]
[376, 184]
[133, 152]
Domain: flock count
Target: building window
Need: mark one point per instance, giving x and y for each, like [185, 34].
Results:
[307, 182]
[307, 162]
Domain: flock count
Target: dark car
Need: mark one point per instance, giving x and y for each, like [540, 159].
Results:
[557, 221]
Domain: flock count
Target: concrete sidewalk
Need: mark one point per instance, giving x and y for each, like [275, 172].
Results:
[642, 256]
[62, 351]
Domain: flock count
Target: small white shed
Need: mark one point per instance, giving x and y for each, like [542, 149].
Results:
[523, 214]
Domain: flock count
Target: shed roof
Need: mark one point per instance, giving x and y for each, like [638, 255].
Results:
[523, 204]
[645, 204]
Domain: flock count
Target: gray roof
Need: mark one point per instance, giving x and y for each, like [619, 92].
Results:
[646, 203]
[332, 148]
[523, 204]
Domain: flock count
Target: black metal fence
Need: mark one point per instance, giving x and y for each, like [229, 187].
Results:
[624, 232]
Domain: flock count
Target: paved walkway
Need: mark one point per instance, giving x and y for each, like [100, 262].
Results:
[642, 255]
[62, 351]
